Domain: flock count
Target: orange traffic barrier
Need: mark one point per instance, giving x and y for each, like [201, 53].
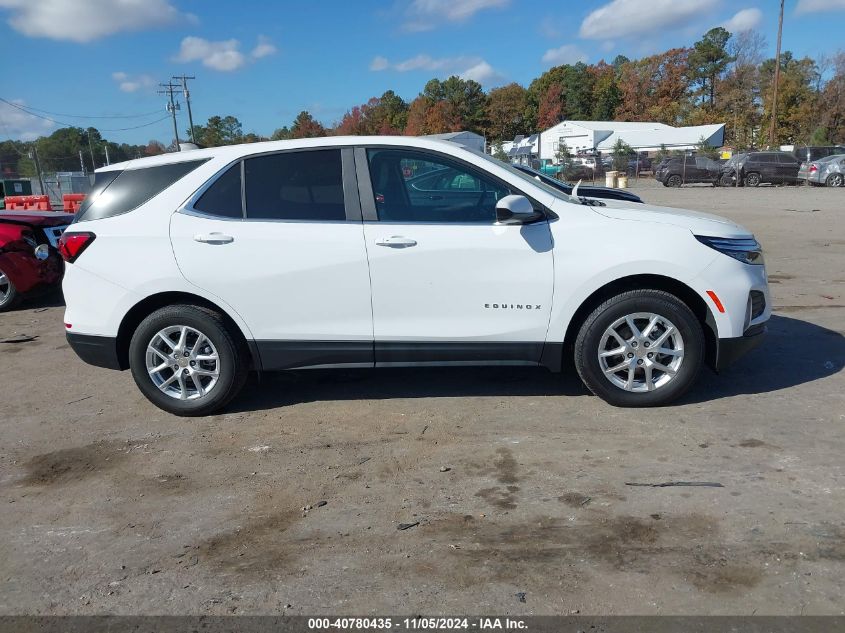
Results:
[72, 201]
[28, 203]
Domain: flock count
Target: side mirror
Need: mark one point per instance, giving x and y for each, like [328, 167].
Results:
[516, 210]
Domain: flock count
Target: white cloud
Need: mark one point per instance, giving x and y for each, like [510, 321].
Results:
[566, 54]
[744, 20]
[379, 63]
[264, 48]
[819, 6]
[633, 18]
[483, 73]
[21, 125]
[224, 55]
[132, 83]
[474, 68]
[424, 15]
[86, 20]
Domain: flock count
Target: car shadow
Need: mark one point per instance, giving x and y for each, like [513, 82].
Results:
[795, 352]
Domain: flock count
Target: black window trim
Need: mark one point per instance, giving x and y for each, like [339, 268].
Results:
[368, 199]
[351, 200]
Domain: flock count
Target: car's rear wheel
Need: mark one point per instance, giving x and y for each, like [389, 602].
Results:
[9, 295]
[674, 181]
[640, 348]
[185, 360]
[835, 180]
[752, 180]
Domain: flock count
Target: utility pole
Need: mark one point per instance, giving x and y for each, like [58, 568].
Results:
[82, 163]
[106, 147]
[186, 92]
[169, 89]
[777, 80]
[33, 155]
[91, 150]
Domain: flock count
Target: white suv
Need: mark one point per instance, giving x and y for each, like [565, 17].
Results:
[191, 269]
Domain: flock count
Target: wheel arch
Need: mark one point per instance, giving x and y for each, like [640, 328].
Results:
[150, 304]
[645, 282]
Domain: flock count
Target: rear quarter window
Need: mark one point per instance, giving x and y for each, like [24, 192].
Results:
[123, 191]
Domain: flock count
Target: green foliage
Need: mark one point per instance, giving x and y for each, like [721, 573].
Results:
[499, 153]
[219, 131]
[704, 148]
[708, 60]
[621, 154]
[562, 154]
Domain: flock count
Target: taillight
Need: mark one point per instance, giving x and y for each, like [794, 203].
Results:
[813, 168]
[71, 245]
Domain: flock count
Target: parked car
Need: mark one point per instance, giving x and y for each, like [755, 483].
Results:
[810, 153]
[680, 170]
[826, 171]
[193, 268]
[756, 168]
[587, 191]
[29, 261]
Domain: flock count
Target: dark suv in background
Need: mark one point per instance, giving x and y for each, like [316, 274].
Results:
[680, 170]
[756, 168]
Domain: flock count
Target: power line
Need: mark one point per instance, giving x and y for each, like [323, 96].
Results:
[91, 116]
[65, 123]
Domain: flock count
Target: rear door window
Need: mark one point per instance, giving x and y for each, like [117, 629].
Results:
[304, 185]
[131, 188]
[223, 198]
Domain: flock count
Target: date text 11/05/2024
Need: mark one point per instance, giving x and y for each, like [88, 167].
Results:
[421, 623]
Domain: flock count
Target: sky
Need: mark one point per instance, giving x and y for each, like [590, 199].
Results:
[265, 61]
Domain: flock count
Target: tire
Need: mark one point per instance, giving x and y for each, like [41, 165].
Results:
[835, 180]
[727, 181]
[9, 295]
[752, 179]
[674, 181]
[219, 361]
[685, 336]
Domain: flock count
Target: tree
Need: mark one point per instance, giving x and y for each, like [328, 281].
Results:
[621, 154]
[507, 111]
[281, 134]
[655, 88]
[708, 60]
[562, 154]
[499, 152]
[706, 149]
[154, 148]
[304, 126]
[219, 131]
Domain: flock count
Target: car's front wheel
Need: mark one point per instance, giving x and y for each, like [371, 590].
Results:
[752, 180]
[640, 348]
[185, 360]
[8, 293]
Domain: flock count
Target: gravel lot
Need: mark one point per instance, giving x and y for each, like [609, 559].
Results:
[516, 477]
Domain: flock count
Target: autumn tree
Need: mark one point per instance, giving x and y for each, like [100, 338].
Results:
[305, 126]
[507, 111]
[655, 88]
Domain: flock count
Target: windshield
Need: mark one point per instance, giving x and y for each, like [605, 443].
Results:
[557, 193]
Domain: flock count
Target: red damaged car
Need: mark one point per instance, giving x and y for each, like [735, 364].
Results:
[29, 261]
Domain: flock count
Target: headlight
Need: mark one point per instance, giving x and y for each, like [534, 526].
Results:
[747, 250]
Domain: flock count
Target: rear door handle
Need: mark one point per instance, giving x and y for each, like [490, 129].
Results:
[214, 238]
[396, 241]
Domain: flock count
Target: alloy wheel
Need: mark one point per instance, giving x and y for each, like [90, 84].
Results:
[182, 362]
[835, 180]
[641, 352]
[5, 288]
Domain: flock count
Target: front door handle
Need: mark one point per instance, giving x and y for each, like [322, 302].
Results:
[396, 241]
[214, 238]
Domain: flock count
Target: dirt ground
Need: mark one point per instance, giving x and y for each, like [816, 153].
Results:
[514, 480]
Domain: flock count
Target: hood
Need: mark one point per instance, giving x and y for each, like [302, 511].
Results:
[37, 218]
[697, 222]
